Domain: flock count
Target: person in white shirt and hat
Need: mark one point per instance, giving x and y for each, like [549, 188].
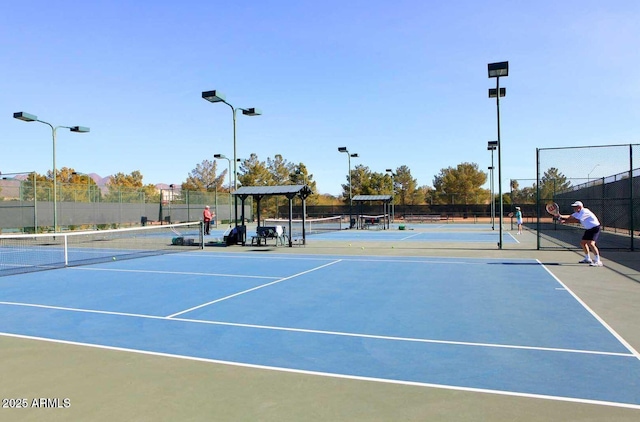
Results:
[591, 224]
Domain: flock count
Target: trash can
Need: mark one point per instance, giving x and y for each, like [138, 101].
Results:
[236, 235]
[242, 234]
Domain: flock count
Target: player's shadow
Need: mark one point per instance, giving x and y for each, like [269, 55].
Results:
[525, 263]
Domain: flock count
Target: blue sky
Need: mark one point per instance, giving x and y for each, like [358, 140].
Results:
[400, 82]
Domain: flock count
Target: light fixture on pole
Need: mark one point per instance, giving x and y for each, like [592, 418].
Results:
[224, 157]
[26, 117]
[497, 70]
[492, 146]
[349, 155]
[218, 97]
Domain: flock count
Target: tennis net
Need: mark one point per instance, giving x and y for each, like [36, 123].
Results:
[311, 225]
[36, 252]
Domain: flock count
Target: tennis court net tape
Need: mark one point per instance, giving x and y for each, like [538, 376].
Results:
[27, 253]
[311, 225]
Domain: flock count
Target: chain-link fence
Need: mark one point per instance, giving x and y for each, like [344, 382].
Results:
[605, 178]
[27, 206]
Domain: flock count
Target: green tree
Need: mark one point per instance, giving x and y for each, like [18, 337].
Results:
[71, 186]
[254, 172]
[526, 195]
[129, 188]
[406, 187]
[376, 184]
[551, 183]
[280, 170]
[276, 171]
[460, 185]
[76, 187]
[43, 187]
[360, 176]
[426, 194]
[203, 178]
[300, 176]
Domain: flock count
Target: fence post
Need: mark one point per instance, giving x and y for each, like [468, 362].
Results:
[538, 210]
[631, 196]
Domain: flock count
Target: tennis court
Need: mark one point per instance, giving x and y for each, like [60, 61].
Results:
[503, 326]
[355, 325]
[437, 233]
[333, 229]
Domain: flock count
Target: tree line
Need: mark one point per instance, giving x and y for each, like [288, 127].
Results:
[461, 184]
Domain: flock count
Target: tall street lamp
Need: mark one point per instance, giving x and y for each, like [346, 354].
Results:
[26, 117]
[218, 97]
[496, 70]
[393, 193]
[492, 146]
[349, 155]
[224, 157]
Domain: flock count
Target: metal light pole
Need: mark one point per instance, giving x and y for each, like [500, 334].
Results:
[493, 202]
[349, 155]
[492, 146]
[221, 156]
[393, 192]
[496, 70]
[26, 117]
[218, 97]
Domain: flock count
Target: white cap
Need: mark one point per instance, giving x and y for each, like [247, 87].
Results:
[577, 204]
[517, 208]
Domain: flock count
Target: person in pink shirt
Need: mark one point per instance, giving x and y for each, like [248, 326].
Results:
[207, 216]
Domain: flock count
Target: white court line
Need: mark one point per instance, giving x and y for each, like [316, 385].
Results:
[252, 289]
[334, 375]
[322, 332]
[447, 387]
[409, 237]
[595, 315]
[367, 258]
[171, 272]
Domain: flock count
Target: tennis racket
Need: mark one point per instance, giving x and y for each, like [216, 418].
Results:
[510, 215]
[553, 209]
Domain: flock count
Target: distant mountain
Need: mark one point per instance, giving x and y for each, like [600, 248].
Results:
[98, 180]
[103, 181]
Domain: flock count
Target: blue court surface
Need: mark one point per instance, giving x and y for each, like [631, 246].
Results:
[467, 234]
[487, 325]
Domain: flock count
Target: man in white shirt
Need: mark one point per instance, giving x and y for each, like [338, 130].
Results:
[591, 224]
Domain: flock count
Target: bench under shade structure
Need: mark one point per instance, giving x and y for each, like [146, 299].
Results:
[289, 191]
[382, 221]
